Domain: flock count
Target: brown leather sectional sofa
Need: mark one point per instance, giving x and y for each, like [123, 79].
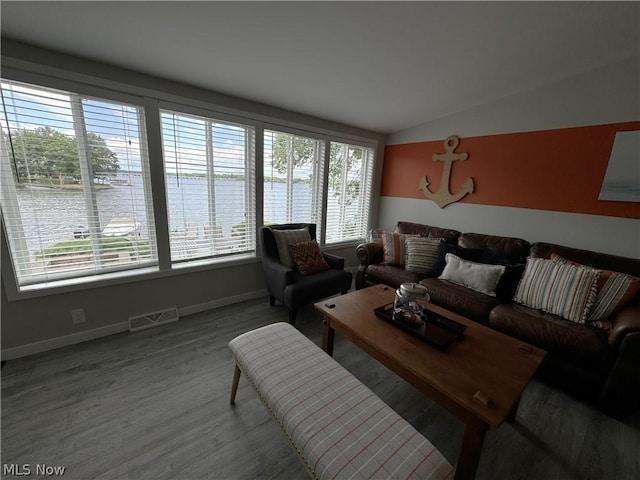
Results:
[599, 366]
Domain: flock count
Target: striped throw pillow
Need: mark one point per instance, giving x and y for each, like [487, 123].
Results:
[394, 246]
[559, 288]
[613, 290]
[423, 255]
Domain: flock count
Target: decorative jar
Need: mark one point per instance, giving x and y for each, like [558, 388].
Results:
[410, 304]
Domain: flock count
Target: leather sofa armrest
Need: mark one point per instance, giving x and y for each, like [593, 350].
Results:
[620, 395]
[369, 253]
[334, 261]
[626, 321]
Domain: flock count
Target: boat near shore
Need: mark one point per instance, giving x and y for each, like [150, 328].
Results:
[121, 226]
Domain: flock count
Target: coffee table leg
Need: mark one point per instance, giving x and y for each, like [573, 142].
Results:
[328, 335]
[512, 414]
[469, 457]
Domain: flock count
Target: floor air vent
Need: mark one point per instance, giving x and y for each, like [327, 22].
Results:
[153, 319]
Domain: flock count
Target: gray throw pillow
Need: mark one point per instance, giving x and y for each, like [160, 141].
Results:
[423, 255]
[284, 238]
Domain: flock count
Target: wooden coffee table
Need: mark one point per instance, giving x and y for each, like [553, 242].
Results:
[479, 378]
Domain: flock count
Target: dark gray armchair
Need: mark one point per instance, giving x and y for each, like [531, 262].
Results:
[287, 285]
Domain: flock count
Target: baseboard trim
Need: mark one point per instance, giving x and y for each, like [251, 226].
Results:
[222, 302]
[63, 341]
[66, 340]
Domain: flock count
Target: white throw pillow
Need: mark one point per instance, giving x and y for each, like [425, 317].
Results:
[480, 277]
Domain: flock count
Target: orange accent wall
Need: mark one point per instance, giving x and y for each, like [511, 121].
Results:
[560, 170]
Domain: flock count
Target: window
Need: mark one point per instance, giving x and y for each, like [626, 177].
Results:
[294, 190]
[349, 192]
[210, 182]
[76, 184]
[293, 178]
[75, 190]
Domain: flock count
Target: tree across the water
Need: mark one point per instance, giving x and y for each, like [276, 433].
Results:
[45, 152]
[296, 152]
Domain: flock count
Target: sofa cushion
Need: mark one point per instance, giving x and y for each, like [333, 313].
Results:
[509, 281]
[559, 288]
[476, 276]
[515, 250]
[580, 343]
[423, 255]
[493, 257]
[448, 235]
[471, 254]
[390, 275]
[603, 261]
[462, 300]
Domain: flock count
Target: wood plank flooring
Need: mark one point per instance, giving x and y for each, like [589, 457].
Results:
[155, 405]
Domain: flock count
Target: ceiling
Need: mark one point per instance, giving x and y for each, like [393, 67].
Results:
[381, 66]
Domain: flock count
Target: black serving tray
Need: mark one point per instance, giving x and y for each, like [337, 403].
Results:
[437, 330]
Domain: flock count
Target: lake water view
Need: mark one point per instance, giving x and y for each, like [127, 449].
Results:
[58, 213]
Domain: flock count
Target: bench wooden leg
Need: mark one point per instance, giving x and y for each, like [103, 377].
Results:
[234, 385]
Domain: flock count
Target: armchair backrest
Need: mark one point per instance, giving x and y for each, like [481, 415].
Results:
[268, 245]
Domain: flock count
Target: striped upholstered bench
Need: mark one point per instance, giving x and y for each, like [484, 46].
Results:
[337, 426]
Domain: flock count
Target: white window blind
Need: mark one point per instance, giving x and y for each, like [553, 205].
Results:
[293, 178]
[210, 179]
[75, 184]
[349, 192]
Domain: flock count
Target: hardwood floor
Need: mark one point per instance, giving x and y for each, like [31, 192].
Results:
[155, 405]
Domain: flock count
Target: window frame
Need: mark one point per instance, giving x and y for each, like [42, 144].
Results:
[77, 93]
[210, 117]
[320, 169]
[327, 138]
[369, 185]
[189, 100]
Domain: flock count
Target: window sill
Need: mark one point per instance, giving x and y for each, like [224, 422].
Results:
[118, 278]
[342, 245]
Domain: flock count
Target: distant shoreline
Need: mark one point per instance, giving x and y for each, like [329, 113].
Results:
[70, 186]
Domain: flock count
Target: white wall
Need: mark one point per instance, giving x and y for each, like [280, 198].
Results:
[609, 94]
[606, 95]
[618, 236]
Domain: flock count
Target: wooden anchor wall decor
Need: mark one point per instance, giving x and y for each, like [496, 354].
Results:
[443, 196]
